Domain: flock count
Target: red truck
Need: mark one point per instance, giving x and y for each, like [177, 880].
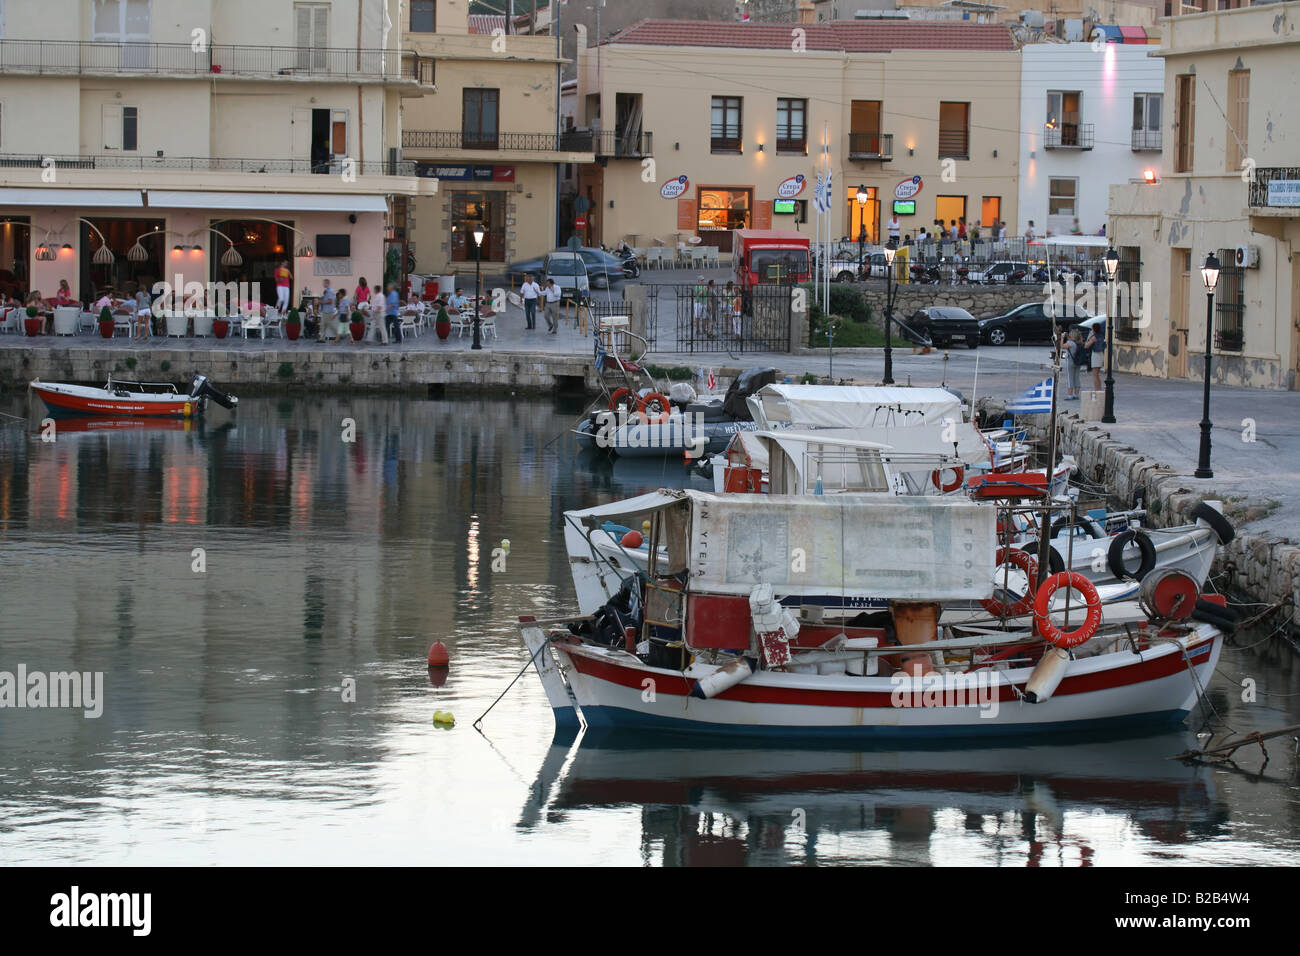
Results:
[768, 256]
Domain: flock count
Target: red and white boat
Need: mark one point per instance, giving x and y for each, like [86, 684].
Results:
[700, 642]
[133, 399]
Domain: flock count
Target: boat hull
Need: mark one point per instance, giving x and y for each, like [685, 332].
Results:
[81, 401]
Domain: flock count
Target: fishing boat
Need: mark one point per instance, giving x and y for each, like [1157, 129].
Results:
[701, 642]
[133, 399]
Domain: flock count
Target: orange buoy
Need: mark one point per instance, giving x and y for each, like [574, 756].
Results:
[438, 656]
[632, 539]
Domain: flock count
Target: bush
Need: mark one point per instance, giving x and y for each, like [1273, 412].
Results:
[293, 318]
[356, 317]
[104, 314]
[680, 373]
[285, 370]
[844, 301]
[165, 366]
[130, 363]
[808, 378]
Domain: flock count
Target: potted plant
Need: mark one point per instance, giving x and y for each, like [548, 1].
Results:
[220, 324]
[357, 326]
[442, 324]
[32, 324]
[106, 323]
[293, 325]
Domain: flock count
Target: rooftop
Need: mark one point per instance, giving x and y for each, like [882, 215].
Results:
[835, 36]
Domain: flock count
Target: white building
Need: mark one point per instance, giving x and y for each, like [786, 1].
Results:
[1089, 118]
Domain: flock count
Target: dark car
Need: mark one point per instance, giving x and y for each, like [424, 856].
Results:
[946, 324]
[1030, 322]
[602, 268]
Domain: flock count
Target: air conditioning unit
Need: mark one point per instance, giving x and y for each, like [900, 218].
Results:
[1248, 257]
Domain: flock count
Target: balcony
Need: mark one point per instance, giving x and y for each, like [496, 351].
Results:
[954, 143]
[872, 146]
[1147, 140]
[572, 141]
[281, 167]
[622, 145]
[76, 57]
[1070, 136]
[1276, 187]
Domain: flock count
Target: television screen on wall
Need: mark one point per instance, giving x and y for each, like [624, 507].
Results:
[330, 246]
[784, 207]
[904, 207]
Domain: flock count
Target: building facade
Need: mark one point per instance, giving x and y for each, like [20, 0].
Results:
[712, 127]
[200, 140]
[1228, 183]
[1091, 117]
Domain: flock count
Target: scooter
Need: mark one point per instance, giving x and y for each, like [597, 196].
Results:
[631, 268]
[924, 275]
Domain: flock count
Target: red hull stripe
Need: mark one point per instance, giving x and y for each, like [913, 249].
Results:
[104, 406]
[1138, 672]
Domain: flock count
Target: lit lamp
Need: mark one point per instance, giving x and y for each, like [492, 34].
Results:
[479, 233]
[890, 252]
[863, 196]
[1210, 275]
[1112, 267]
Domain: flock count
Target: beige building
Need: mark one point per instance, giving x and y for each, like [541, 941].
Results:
[171, 133]
[488, 132]
[709, 127]
[1229, 183]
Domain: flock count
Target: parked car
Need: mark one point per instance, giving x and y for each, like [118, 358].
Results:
[1000, 272]
[945, 324]
[602, 267]
[569, 270]
[1030, 322]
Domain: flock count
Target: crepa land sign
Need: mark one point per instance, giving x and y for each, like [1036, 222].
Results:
[674, 187]
[908, 188]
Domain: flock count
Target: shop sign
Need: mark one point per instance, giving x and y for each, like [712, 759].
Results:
[675, 187]
[908, 188]
[466, 172]
[789, 188]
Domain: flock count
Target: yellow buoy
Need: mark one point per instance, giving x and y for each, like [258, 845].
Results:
[444, 718]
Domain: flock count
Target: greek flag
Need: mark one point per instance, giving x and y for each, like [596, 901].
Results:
[818, 199]
[1035, 399]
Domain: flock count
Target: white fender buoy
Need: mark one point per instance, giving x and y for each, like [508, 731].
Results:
[724, 678]
[1047, 675]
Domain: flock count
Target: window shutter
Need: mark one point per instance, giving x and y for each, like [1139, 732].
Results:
[302, 28]
[112, 127]
[320, 34]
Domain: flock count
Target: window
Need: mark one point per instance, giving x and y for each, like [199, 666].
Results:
[1238, 117]
[949, 209]
[1062, 198]
[864, 128]
[1147, 108]
[1128, 304]
[725, 127]
[1184, 122]
[954, 130]
[791, 126]
[479, 127]
[130, 127]
[121, 127]
[1062, 118]
[990, 211]
[468, 209]
[864, 214]
[723, 209]
[1230, 303]
[311, 35]
[423, 16]
[125, 22]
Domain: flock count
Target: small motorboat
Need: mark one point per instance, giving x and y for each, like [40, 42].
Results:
[134, 399]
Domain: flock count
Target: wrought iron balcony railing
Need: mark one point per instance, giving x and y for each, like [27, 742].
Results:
[71, 57]
[871, 146]
[1284, 197]
[572, 141]
[1147, 140]
[209, 164]
[623, 145]
[1070, 136]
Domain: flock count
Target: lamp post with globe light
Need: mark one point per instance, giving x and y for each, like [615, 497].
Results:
[890, 252]
[1112, 267]
[1210, 276]
[479, 233]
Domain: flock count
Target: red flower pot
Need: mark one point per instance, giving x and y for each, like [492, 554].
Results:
[358, 330]
[293, 330]
[106, 329]
[32, 326]
[220, 327]
[442, 328]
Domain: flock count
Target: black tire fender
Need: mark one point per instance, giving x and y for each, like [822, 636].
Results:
[1221, 525]
[1055, 563]
[1115, 556]
[1094, 529]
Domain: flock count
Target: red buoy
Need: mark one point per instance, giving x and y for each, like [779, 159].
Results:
[438, 656]
[632, 539]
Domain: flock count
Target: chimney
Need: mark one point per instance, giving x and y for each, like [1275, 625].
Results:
[805, 11]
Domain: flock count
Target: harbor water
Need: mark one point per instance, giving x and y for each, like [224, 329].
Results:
[259, 596]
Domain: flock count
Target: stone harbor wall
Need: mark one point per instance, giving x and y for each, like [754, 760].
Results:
[980, 301]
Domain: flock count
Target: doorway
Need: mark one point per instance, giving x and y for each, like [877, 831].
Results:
[124, 275]
[949, 209]
[1180, 278]
[864, 216]
[263, 246]
[15, 255]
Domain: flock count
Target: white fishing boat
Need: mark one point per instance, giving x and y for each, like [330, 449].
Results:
[703, 644]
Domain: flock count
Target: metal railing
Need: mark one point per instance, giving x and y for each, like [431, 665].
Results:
[61, 57]
[871, 146]
[954, 144]
[530, 142]
[1147, 139]
[973, 256]
[209, 164]
[1266, 174]
[1072, 136]
[623, 145]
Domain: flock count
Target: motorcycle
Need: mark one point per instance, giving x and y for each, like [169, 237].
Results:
[925, 275]
[631, 268]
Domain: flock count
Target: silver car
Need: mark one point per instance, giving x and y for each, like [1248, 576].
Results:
[569, 272]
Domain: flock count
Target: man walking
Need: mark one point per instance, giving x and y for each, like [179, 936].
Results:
[391, 319]
[530, 291]
[552, 307]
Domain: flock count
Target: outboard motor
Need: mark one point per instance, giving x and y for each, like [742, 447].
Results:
[203, 389]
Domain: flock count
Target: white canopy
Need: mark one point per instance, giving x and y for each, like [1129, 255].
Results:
[268, 202]
[852, 406]
[80, 198]
[638, 507]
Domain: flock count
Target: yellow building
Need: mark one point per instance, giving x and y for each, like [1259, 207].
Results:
[1229, 183]
[708, 126]
[169, 134]
[488, 132]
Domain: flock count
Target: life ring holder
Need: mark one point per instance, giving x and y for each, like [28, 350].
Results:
[1043, 603]
[665, 407]
[936, 478]
[1026, 563]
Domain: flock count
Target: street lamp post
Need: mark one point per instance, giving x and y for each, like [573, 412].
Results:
[863, 196]
[1112, 267]
[890, 251]
[479, 233]
[1210, 275]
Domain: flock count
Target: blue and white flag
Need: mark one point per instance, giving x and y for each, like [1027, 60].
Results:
[1035, 399]
[819, 193]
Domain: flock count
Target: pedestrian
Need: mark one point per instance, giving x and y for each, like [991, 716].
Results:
[1074, 359]
[701, 305]
[1075, 230]
[1002, 230]
[922, 238]
[736, 305]
[1029, 232]
[961, 228]
[530, 291]
[893, 229]
[344, 316]
[552, 296]
[391, 319]
[362, 292]
[711, 291]
[328, 315]
[952, 231]
[974, 233]
[283, 279]
[1096, 345]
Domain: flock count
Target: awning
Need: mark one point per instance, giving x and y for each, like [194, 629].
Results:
[1109, 31]
[852, 406]
[638, 507]
[1133, 34]
[82, 198]
[267, 202]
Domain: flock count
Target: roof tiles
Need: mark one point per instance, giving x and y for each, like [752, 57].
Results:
[846, 36]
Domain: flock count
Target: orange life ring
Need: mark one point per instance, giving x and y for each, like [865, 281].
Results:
[665, 407]
[619, 395]
[937, 478]
[1043, 601]
[1025, 562]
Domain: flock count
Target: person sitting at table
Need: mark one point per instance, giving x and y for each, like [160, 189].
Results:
[459, 302]
[42, 306]
[64, 295]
